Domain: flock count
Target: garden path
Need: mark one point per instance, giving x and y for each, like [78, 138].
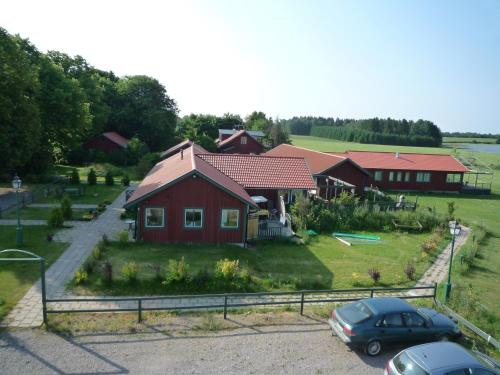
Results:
[83, 236]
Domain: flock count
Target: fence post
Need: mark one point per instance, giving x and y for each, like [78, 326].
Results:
[302, 303]
[139, 310]
[44, 296]
[225, 306]
[435, 291]
[371, 293]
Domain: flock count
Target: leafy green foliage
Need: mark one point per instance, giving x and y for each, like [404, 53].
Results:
[227, 269]
[109, 180]
[97, 253]
[92, 177]
[123, 237]
[125, 180]
[74, 177]
[81, 276]
[129, 271]
[146, 163]
[66, 209]
[56, 218]
[177, 272]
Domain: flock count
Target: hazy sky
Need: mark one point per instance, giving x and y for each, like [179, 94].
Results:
[437, 60]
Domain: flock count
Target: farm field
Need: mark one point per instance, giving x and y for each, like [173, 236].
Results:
[17, 278]
[274, 265]
[468, 140]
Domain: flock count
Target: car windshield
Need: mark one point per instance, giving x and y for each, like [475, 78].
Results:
[356, 312]
[407, 366]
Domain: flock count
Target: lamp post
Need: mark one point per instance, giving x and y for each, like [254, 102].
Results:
[16, 184]
[454, 231]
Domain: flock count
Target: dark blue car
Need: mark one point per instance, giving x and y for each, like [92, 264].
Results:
[374, 323]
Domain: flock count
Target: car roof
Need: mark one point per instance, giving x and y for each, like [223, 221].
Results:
[442, 355]
[382, 305]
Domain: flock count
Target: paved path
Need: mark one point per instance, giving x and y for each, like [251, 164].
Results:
[53, 205]
[84, 237]
[439, 269]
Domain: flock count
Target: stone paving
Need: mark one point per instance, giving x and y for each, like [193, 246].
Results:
[83, 236]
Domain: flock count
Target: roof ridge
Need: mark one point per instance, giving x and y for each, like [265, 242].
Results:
[400, 152]
[251, 156]
[316, 151]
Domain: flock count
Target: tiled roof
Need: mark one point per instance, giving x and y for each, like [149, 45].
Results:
[253, 133]
[172, 150]
[406, 161]
[178, 166]
[318, 161]
[116, 138]
[263, 172]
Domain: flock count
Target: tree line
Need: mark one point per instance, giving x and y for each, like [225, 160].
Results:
[51, 103]
[375, 130]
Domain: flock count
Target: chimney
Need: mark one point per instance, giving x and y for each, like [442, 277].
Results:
[182, 153]
[397, 155]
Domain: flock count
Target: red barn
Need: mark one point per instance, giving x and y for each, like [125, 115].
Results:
[195, 196]
[331, 173]
[107, 142]
[241, 142]
[411, 171]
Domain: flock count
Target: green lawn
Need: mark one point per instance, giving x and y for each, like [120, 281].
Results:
[274, 265]
[468, 140]
[17, 278]
[100, 168]
[36, 213]
[93, 194]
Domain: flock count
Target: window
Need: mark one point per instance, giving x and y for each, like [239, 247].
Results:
[377, 176]
[230, 218]
[393, 320]
[407, 366]
[413, 320]
[400, 176]
[243, 140]
[155, 217]
[193, 218]
[423, 177]
[391, 176]
[407, 176]
[453, 178]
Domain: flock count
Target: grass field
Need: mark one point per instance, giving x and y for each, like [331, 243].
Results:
[468, 140]
[274, 265]
[100, 168]
[17, 278]
[35, 213]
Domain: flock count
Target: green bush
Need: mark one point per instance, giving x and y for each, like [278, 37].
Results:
[74, 178]
[107, 272]
[89, 265]
[81, 276]
[177, 272]
[227, 269]
[66, 209]
[125, 180]
[109, 180]
[92, 177]
[410, 270]
[97, 253]
[123, 237]
[56, 219]
[129, 271]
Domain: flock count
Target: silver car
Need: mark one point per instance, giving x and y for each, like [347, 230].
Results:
[441, 358]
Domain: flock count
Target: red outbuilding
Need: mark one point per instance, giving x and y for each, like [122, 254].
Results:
[241, 142]
[107, 142]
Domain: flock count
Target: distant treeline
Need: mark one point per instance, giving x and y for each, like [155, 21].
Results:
[382, 131]
[470, 135]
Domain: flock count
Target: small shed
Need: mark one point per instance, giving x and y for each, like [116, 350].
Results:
[107, 142]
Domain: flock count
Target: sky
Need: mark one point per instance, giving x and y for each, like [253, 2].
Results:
[435, 60]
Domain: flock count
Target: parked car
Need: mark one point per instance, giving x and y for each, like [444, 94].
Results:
[441, 358]
[374, 323]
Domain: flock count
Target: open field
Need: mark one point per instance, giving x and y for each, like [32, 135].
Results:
[17, 278]
[468, 140]
[274, 265]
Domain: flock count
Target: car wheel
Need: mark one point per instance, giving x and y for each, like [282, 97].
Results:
[373, 348]
[444, 338]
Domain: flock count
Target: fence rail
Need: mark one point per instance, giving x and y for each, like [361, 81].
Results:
[491, 340]
[226, 301]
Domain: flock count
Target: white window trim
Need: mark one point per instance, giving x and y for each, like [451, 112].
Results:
[146, 217]
[407, 174]
[243, 138]
[194, 209]
[454, 174]
[380, 174]
[421, 181]
[222, 219]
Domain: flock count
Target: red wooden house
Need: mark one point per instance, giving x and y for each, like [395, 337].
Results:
[195, 196]
[107, 142]
[332, 173]
[241, 142]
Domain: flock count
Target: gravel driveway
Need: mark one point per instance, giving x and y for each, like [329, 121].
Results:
[285, 349]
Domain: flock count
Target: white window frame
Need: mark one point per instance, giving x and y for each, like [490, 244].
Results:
[146, 210]
[222, 218]
[421, 177]
[407, 176]
[399, 176]
[194, 209]
[457, 178]
[391, 176]
[243, 140]
[378, 175]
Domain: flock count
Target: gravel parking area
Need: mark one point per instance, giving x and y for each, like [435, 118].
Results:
[302, 347]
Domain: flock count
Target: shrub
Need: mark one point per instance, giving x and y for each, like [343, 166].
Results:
[66, 209]
[109, 180]
[451, 210]
[129, 271]
[202, 278]
[105, 240]
[374, 274]
[97, 253]
[177, 272]
[125, 180]
[92, 177]
[56, 219]
[123, 237]
[227, 269]
[356, 279]
[410, 270]
[81, 276]
[89, 265]
[156, 269]
[74, 177]
[107, 271]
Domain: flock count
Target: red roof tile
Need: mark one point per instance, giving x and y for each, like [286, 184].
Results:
[172, 150]
[116, 138]
[405, 161]
[263, 172]
[176, 167]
